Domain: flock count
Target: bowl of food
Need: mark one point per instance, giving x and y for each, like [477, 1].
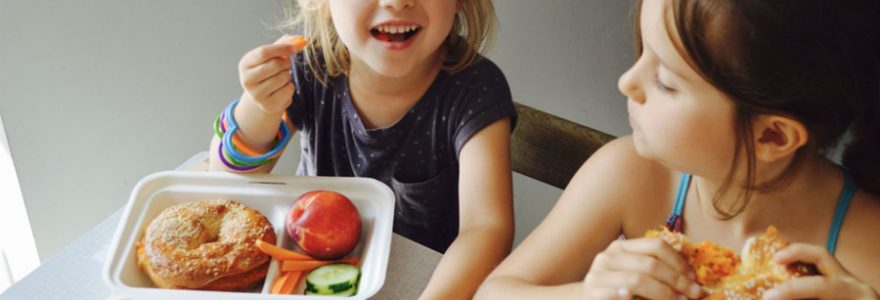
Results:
[215, 235]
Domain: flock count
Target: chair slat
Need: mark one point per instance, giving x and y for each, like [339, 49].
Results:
[550, 149]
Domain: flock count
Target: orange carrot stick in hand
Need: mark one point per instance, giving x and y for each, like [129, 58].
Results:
[308, 265]
[281, 253]
[299, 42]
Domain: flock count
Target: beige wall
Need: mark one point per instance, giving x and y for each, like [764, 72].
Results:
[563, 57]
[96, 94]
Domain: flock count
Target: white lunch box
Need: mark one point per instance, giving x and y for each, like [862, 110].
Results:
[271, 195]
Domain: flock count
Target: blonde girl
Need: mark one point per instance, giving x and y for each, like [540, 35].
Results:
[395, 90]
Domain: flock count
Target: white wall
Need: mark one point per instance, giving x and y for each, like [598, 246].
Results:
[96, 94]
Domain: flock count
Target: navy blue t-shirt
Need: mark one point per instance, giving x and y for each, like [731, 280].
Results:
[417, 156]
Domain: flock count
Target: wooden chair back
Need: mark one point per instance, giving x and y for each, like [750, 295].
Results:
[551, 149]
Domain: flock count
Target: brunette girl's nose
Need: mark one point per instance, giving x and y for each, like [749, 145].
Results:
[629, 85]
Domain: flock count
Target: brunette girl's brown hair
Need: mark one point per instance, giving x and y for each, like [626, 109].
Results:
[815, 61]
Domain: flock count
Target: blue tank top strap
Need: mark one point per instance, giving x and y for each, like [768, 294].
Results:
[675, 222]
[682, 194]
[849, 189]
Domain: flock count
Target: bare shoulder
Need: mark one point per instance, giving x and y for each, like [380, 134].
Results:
[859, 242]
[591, 213]
[643, 188]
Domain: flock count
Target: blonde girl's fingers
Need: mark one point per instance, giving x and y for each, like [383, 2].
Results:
[810, 254]
[264, 53]
[656, 269]
[636, 284]
[256, 75]
[276, 81]
[818, 287]
[284, 47]
[283, 96]
[299, 42]
[653, 247]
[271, 84]
[275, 101]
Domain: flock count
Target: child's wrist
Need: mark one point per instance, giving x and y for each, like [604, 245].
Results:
[251, 105]
[234, 153]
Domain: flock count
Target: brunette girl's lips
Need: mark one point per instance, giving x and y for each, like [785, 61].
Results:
[396, 34]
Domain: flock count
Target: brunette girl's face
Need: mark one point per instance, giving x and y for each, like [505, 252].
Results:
[678, 118]
[394, 37]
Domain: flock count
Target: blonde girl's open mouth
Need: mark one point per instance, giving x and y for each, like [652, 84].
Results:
[396, 36]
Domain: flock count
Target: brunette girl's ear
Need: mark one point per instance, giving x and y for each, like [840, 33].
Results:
[778, 137]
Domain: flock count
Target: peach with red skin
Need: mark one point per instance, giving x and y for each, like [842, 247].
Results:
[325, 224]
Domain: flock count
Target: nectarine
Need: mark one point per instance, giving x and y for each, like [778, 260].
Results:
[325, 224]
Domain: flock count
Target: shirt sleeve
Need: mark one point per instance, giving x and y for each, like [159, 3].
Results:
[485, 99]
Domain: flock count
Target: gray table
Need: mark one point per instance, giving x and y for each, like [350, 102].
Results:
[75, 271]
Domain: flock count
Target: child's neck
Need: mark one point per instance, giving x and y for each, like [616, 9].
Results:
[810, 192]
[381, 100]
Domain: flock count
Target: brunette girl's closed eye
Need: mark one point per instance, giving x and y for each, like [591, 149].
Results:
[662, 87]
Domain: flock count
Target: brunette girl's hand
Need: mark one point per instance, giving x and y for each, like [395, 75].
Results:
[645, 267]
[265, 74]
[834, 282]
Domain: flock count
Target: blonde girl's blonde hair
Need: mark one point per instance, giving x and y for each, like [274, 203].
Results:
[472, 34]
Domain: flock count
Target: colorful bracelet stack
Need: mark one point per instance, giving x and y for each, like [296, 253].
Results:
[234, 153]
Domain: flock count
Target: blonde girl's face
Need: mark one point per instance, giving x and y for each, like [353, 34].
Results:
[393, 37]
[678, 119]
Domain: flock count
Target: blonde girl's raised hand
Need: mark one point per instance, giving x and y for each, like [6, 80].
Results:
[265, 74]
[644, 267]
[833, 281]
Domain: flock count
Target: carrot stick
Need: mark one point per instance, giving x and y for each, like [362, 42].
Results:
[285, 283]
[280, 282]
[291, 283]
[281, 253]
[299, 42]
[308, 265]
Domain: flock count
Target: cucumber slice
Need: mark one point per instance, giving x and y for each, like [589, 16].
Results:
[345, 293]
[332, 279]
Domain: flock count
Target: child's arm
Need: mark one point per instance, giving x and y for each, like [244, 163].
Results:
[486, 215]
[554, 260]
[268, 91]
